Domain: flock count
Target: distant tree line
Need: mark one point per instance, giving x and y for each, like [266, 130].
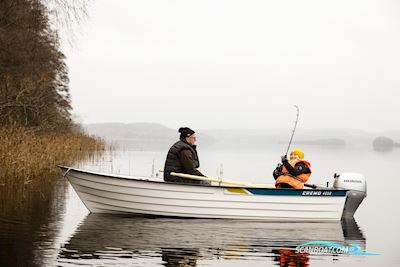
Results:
[34, 90]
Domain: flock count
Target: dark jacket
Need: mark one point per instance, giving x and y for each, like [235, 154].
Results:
[182, 158]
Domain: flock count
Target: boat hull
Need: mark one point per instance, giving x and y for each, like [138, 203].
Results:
[104, 193]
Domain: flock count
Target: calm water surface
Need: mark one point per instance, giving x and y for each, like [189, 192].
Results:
[63, 233]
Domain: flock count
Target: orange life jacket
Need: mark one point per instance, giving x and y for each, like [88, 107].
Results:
[294, 181]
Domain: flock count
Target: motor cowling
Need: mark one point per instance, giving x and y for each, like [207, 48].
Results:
[357, 186]
[350, 181]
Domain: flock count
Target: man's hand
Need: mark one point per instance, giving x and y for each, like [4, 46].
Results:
[284, 158]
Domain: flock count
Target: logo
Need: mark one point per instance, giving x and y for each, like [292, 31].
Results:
[326, 247]
[317, 193]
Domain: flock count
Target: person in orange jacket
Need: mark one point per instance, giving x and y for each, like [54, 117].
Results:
[292, 173]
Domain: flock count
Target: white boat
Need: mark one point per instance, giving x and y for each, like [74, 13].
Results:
[112, 193]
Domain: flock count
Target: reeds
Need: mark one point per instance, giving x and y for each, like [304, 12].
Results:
[29, 159]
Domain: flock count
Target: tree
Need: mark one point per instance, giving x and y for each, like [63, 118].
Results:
[34, 80]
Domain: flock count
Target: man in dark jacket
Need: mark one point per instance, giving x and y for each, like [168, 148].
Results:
[182, 158]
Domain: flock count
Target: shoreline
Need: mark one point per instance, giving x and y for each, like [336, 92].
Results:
[28, 164]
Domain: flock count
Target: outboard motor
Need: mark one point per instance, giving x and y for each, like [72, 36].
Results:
[356, 183]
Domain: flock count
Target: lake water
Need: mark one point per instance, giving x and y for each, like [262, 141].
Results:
[63, 233]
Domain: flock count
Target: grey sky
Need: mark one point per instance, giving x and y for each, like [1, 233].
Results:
[239, 64]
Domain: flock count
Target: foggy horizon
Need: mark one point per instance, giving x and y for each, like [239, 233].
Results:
[289, 128]
[239, 64]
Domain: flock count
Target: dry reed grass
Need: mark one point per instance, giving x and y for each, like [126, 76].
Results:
[29, 159]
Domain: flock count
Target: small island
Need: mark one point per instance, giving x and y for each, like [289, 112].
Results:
[384, 143]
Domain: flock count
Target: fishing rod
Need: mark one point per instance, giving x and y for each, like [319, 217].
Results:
[294, 129]
[290, 142]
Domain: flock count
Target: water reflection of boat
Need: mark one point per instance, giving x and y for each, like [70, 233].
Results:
[181, 242]
[109, 193]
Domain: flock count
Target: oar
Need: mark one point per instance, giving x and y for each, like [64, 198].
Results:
[219, 180]
[224, 181]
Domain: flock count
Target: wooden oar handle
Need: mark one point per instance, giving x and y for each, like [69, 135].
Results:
[221, 181]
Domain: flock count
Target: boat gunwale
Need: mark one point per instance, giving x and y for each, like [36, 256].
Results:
[130, 178]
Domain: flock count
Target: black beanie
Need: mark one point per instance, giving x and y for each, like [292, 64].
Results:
[185, 132]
